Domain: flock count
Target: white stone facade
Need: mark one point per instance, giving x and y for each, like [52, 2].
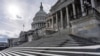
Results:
[77, 17]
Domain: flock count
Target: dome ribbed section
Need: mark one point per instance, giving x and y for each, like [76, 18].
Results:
[41, 13]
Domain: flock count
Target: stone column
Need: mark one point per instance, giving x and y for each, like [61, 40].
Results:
[49, 23]
[61, 14]
[57, 21]
[93, 3]
[52, 22]
[82, 8]
[67, 16]
[68, 21]
[74, 10]
[37, 25]
[46, 24]
[40, 24]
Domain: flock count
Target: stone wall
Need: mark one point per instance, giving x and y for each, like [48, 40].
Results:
[87, 27]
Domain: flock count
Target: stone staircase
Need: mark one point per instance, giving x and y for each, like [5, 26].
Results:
[52, 51]
[58, 39]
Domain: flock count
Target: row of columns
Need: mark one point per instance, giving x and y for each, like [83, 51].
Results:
[39, 25]
[51, 20]
[67, 15]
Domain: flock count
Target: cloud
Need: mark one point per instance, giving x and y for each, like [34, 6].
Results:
[13, 34]
[11, 26]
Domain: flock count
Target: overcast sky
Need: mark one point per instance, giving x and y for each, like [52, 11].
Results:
[15, 13]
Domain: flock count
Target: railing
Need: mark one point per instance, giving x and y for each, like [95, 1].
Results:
[85, 39]
[79, 15]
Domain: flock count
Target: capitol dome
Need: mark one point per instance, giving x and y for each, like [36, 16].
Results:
[41, 13]
[40, 19]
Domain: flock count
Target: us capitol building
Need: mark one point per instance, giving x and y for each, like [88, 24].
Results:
[68, 19]
[71, 28]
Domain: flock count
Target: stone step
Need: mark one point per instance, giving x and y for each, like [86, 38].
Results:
[53, 51]
[58, 39]
[12, 54]
[46, 41]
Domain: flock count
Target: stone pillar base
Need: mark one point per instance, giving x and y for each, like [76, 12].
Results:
[61, 28]
[69, 29]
